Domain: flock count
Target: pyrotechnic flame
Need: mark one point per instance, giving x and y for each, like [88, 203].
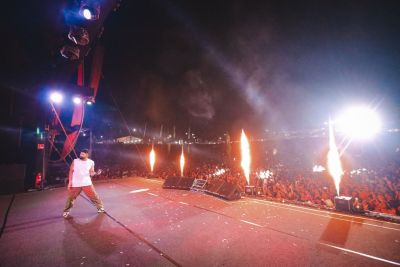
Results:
[182, 162]
[334, 164]
[152, 159]
[246, 158]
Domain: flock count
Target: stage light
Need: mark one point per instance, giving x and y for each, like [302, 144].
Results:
[90, 11]
[359, 123]
[77, 100]
[87, 14]
[70, 52]
[56, 97]
[78, 35]
[89, 103]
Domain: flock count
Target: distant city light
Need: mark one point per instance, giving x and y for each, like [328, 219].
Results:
[56, 97]
[358, 122]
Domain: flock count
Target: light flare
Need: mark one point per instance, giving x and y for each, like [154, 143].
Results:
[219, 172]
[333, 158]
[182, 162]
[359, 123]
[246, 157]
[152, 159]
[318, 168]
[265, 174]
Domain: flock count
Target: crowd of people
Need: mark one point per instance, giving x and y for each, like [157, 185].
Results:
[374, 188]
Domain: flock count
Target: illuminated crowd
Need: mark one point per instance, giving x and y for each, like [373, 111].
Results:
[289, 178]
[374, 191]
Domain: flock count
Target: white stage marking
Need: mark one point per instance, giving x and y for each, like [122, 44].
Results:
[139, 190]
[362, 254]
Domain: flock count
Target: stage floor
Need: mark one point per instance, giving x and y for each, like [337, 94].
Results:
[146, 225]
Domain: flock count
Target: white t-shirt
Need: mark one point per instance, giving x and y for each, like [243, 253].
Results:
[81, 174]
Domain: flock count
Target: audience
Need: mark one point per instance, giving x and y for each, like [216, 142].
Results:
[375, 187]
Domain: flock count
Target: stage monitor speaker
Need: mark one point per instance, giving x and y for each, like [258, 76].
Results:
[224, 190]
[214, 186]
[250, 190]
[343, 204]
[183, 183]
[229, 191]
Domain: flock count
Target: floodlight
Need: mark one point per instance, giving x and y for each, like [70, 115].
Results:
[359, 122]
[87, 14]
[90, 11]
[77, 100]
[56, 97]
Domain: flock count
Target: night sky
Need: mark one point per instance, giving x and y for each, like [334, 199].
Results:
[218, 66]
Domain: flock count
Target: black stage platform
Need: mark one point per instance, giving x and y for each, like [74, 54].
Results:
[146, 225]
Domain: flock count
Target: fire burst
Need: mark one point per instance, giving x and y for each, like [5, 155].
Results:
[182, 162]
[334, 164]
[246, 158]
[152, 159]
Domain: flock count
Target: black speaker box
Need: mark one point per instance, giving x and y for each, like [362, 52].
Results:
[230, 191]
[183, 183]
[224, 190]
[343, 204]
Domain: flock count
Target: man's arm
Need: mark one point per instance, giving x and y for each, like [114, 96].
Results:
[91, 171]
[71, 171]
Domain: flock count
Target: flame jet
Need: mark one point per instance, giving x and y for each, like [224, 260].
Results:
[246, 158]
[152, 158]
[333, 158]
[182, 162]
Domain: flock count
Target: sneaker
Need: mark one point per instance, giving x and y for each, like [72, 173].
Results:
[66, 214]
[101, 210]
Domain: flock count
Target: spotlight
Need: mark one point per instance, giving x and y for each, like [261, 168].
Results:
[70, 52]
[77, 100]
[78, 35]
[359, 122]
[90, 12]
[87, 14]
[90, 100]
[56, 97]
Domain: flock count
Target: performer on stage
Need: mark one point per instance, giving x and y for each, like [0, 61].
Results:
[79, 179]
